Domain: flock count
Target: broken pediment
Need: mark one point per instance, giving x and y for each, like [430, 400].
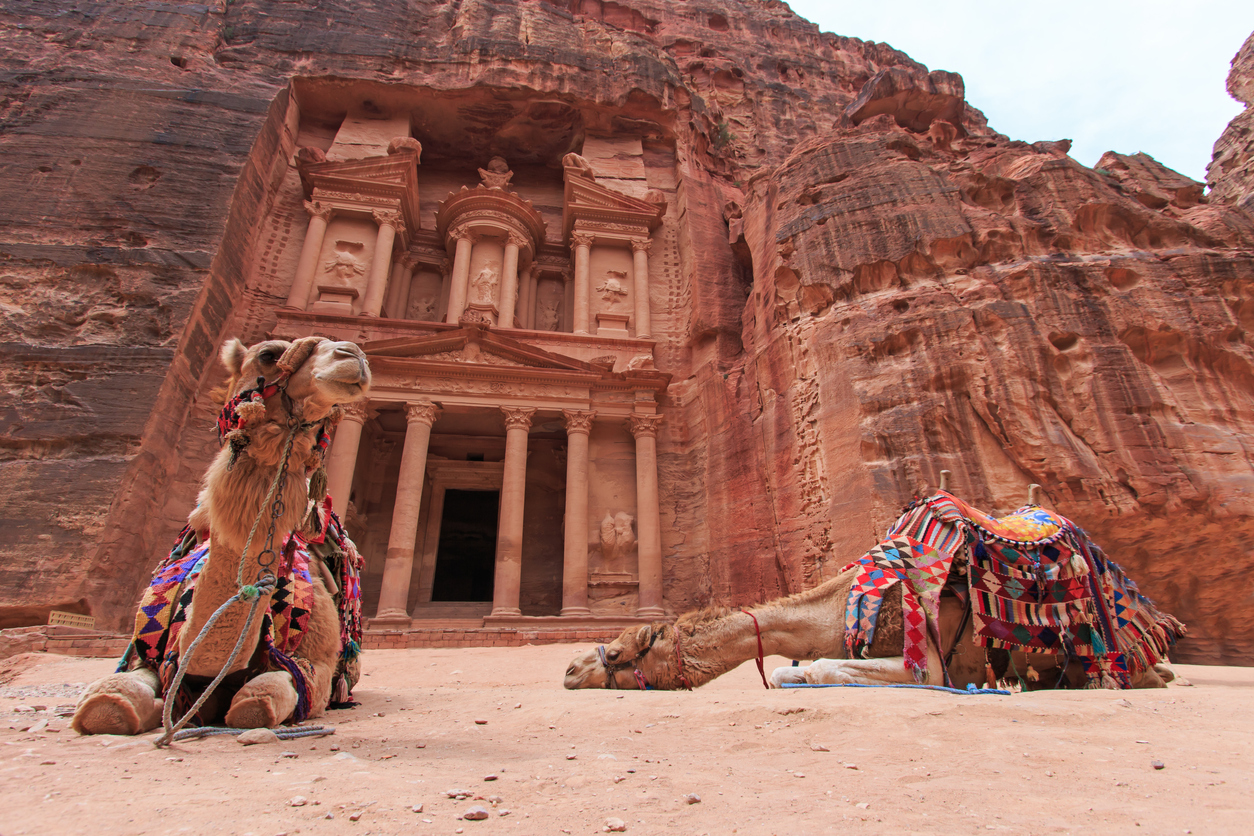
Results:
[385, 181]
[474, 345]
[594, 205]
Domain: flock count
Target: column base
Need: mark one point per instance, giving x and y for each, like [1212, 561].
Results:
[575, 612]
[391, 620]
[505, 611]
[650, 612]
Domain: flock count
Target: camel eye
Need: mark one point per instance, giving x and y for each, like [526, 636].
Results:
[612, 655]
[267, 357]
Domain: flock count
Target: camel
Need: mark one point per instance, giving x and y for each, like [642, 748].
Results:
[276, 390]
[706, 643]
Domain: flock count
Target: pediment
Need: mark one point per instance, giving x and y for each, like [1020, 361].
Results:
[393, 177]
[472, 346]
[586, 199]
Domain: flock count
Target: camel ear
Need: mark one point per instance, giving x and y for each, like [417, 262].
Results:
[644, 635]
[233, 353]
[298, 352]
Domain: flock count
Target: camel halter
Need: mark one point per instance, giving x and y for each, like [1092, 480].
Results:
[761, 667]
[612, 670]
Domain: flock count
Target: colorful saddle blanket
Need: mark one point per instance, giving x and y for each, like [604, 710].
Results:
[162, 612]
[1034, 580]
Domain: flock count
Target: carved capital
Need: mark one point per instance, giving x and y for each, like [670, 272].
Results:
[579, 420]
[446, 268]
[641, 245]
[644, 425]
[518, 417]
[355, 411]
[387, 217]
[421, 412]
[581, 239]
[518, 241]
[410, 261]
[318, 209]
[462, 233]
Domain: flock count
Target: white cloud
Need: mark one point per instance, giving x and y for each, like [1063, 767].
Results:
[1107, 74]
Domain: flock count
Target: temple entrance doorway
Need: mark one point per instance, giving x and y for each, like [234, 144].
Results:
[465, 561]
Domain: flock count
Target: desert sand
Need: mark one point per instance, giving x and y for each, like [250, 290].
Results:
[813, 761]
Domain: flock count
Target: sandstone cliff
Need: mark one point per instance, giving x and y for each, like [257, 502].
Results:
[874, 285]
[1231, 172]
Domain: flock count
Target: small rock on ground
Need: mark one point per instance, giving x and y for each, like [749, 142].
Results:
[254, 736]
[614, 826]
[476, 813]
[692, 798]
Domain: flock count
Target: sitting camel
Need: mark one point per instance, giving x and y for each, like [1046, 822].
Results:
[278, 393]
[955, 646]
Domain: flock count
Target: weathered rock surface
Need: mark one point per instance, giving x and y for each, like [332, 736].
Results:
[1231, 171]
[874, 285]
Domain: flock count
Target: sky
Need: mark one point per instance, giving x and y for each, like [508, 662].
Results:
[1110, 75]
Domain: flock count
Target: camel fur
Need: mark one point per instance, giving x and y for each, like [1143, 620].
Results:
[320, 374]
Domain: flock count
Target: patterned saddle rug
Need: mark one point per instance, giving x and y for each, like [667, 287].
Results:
[1034, 581]
[162, 612]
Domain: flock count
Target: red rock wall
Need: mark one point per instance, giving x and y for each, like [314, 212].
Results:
[872, 285]
[1231, 171]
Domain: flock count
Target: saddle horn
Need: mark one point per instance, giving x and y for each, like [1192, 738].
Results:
[944, 485]
[1034, 494]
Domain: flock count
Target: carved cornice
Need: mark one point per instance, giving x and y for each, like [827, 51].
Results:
[644, 425]
[421, 412]
[641, 245]
[318, 209]
[579, 420]
[355, 411]
[518, 417]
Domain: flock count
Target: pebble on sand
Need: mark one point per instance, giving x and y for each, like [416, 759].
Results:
[417, 808]
[297, 801]
[476, 813]
[614, 826]
[1158, 764]
[692, 798]
[253, 737]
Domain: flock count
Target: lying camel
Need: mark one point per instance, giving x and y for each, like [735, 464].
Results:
[704, 644]
[290, 390]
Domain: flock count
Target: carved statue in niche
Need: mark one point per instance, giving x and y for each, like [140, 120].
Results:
[484, 285]
[617, 538]
[497, 175]
[549, 316]
[345, 267]
[580, 164]
[611, 288]
[424, 309]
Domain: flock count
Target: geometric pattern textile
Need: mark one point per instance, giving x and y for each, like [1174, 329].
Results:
[921, 570]
[1035, 582]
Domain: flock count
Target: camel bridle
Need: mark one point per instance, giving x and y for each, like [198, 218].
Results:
[611, 670]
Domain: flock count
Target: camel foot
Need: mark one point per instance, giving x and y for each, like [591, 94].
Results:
[886, 671]
[792, 675]
[121, 703]
[265, 701]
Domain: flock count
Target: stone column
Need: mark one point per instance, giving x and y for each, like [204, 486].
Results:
[583, 246]
[377, 284]
[568, 302]
[342, 457]
[319, 217]
[575, 561]
[527, 298]
[461, 275]
[398, 287]
[648, 517]
[509, 280]
[640, 285]
[399, 564]
[510, 527]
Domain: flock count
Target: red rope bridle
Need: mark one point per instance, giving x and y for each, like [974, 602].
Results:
[761, 667]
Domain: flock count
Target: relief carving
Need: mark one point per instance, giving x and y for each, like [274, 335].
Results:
[497, 175]
[617, 538]
[424, 309]
[549, 316]
[344, 266]
[484, 285]
[611, 289]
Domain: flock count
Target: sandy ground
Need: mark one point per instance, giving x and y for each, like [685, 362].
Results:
[781, 762]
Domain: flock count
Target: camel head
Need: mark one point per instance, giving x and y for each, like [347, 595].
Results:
[319, 373]
[647, 650]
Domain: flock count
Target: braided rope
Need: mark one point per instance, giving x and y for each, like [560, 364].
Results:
[281, 734]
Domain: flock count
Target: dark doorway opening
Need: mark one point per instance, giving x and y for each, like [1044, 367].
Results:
[465, 562]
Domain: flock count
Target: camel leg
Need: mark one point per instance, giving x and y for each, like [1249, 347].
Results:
[792, 674]
[265, 701]
[886, 671]
[121, 703]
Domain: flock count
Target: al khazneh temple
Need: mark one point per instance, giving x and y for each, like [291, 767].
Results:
[667, 303]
